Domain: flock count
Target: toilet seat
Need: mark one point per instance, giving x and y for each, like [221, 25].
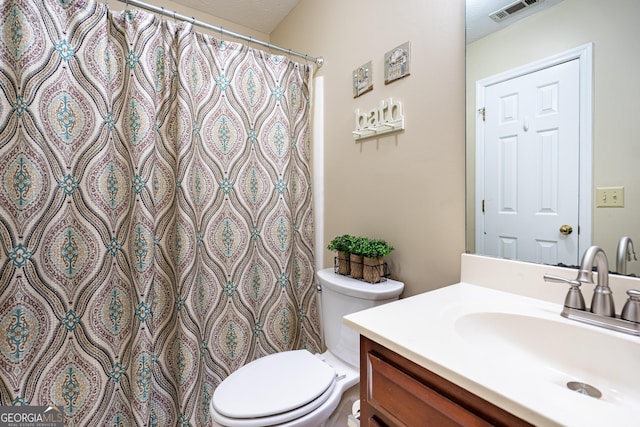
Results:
[273, 390]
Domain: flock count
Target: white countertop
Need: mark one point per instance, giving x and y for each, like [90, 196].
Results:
[423, 329]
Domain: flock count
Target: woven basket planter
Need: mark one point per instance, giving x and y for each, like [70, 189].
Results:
[356, 266]
[344, 264]
[373, 269]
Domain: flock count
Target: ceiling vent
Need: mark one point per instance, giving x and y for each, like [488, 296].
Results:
[515, 7]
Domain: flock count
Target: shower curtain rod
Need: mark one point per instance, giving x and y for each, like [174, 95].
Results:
[161, 10]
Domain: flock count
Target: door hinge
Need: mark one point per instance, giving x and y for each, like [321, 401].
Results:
[482, 205]
[483, 112]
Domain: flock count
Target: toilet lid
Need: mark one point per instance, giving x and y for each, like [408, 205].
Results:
[272, 385]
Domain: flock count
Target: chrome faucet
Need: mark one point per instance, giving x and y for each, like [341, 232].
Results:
[602, 312]
[602, 301]
[625, 250]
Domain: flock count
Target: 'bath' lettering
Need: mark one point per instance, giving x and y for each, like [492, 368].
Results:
[388, 111]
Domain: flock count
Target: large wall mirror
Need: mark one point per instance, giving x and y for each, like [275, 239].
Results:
[558, 26]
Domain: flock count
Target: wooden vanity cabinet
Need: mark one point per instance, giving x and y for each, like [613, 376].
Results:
[397, 392]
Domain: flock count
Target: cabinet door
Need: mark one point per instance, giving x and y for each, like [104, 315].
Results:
[412, 403]
[397, 392]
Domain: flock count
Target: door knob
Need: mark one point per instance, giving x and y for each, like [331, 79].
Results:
[566, 229]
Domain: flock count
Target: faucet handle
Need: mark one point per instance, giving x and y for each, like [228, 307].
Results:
[631, 309]
[574, 298]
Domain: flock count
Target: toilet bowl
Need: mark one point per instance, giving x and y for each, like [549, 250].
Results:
[298, 388]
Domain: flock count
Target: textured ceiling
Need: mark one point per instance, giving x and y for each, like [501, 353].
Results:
[479, 24]
[260, 15]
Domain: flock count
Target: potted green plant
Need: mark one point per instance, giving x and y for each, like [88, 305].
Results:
[373, 253]
[356, 253]
[342, 245]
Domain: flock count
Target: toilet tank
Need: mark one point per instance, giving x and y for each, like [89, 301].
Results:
[342, 295]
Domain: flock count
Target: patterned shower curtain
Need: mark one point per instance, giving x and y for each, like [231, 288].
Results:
[155, 212]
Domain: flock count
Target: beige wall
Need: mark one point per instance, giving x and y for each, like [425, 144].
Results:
[407, 188]
[613, 29]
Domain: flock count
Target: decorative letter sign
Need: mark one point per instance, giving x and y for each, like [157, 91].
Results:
[388, 117]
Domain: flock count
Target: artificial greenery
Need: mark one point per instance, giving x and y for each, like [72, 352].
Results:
[358, 245]
[341, 243]
[362, 246]
[375, 248]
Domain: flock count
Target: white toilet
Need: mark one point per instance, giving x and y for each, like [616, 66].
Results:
[297, 388]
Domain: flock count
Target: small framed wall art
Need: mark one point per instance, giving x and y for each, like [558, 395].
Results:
[362, 79]
[397, 63]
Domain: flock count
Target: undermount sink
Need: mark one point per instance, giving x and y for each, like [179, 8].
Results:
[558, 351]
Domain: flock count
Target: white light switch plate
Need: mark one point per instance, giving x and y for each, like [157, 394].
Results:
[610, 197]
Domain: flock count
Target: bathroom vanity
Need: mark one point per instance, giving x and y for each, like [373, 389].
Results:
[398, 391]
[494, 350]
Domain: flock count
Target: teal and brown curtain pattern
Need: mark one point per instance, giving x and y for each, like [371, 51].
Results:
[156, 230]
